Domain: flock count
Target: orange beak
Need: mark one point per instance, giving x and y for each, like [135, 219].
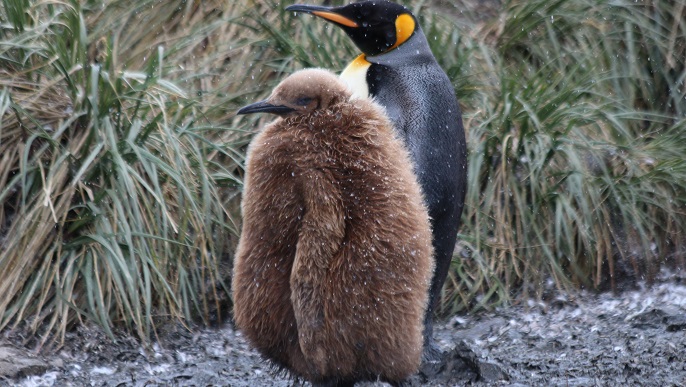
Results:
[324, 13]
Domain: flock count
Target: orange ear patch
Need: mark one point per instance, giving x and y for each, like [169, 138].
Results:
[404, 28]
[336, 18]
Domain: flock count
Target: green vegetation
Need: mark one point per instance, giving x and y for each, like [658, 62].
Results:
[120, 157]
[575, 133]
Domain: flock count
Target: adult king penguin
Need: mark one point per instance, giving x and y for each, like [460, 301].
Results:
[397, 68]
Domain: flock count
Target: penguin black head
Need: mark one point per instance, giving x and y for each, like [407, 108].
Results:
[302, 92]
[375, 26]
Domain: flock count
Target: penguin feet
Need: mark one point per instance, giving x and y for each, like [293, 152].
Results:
[432, 353]
[333, 383]
[433, 360]
[404, 383]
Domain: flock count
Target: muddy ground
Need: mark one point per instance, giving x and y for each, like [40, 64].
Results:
[637, 337]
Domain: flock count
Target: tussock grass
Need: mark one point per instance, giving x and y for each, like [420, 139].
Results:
[119, 165]
[120, 156]
[575, 178]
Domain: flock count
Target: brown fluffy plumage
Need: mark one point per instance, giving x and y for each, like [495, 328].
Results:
[334, 263]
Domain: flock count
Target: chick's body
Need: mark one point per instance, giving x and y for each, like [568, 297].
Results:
[334, 262]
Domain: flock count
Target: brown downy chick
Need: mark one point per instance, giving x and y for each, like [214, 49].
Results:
[334, 264]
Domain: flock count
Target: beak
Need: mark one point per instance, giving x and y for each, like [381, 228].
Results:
[264, 107]
[323, 12]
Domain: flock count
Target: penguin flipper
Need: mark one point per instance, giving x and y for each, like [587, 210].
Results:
[321, 234]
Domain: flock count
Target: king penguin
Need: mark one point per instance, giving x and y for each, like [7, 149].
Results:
[331, 210]
[397, 68]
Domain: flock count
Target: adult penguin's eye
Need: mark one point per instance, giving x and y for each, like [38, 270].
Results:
[304, 101]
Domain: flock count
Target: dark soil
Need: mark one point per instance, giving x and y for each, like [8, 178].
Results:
[634, 338]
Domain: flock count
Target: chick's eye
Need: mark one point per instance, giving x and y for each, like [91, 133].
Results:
[304, 101]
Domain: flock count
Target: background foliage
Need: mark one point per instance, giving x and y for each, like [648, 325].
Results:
[120, 157]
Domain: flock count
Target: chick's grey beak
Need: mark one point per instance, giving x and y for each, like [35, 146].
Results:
[306, 8]
[264, 107]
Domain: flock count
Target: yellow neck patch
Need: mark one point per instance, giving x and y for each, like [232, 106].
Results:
[404, 27]
[355, 76]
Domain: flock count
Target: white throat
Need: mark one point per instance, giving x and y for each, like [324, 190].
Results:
[355, 76]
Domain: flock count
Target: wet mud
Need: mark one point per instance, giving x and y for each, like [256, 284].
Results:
[634, 338]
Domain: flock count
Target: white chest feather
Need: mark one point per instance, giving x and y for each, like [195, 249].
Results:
[355, 76]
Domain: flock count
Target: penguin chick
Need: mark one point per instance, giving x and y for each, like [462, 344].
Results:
[333, 266]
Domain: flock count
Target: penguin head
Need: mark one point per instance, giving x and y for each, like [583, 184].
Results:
[376, 26]
[303, 92]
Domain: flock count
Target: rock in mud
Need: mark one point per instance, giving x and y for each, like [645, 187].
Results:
[16, 363]
[675, 323]
[459, 365]
[652, 319]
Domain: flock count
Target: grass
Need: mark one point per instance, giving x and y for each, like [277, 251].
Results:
[574, 175]
[119, 185]
[120, 156]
